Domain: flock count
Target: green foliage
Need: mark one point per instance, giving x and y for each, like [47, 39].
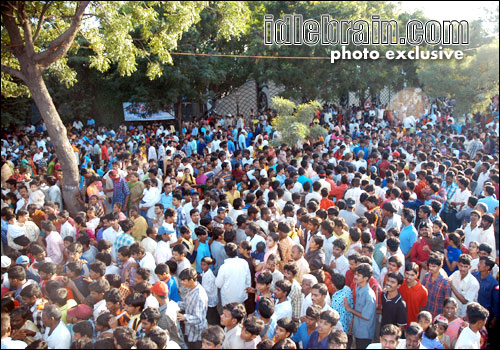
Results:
[316, 132]
[293, 123]
[471, 81]
[15, 111]
[122, 32]
[306, 80]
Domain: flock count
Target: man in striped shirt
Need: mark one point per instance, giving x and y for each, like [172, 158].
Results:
[194, 306]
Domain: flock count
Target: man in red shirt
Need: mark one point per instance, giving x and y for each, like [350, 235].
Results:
[384, 164]
[325, 202]
[338, 191]
[413, 293]
[104, 151]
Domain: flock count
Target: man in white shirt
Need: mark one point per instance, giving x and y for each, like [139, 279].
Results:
[7, 342]
[233, 277]
[145, 259]
[56, 334]
[253, 236]
[113, 230]
[152, 153]
[283, 307]
[487, 233]
[230, 319]
[484, 175]
[339, 262]
[355, 191]
[470, 338]
[315, 193]
[473, 229]
[464, 286]
[394, 221]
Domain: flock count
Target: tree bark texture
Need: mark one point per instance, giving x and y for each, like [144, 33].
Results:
[58, 135]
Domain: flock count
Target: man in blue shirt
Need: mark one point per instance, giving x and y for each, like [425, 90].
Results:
[487, 285]
[303, 178]
[409, 234]
[364, 322]
[490, 199]
[307, 327]
[7, 215]
[166, 196]
[319, 338]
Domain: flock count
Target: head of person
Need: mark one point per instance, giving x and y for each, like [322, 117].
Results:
[51, 316]
[413, 336]
[212, 337]
[327, 321]
[394, 281]
[149, 319]
[337, 339]
[363, 273]
[389, 336]
[434, 263]
[188, 278]
[318, 293]
[284, 329]
[232, 315]
[252, 327]
[477, 315]
[124, 337]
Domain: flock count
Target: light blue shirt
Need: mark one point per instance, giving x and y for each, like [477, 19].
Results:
[366, 304]
[166, 200]
[491, 202]
[407, 238]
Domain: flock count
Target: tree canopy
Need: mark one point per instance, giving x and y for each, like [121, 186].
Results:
[295, 123]
[118, 33]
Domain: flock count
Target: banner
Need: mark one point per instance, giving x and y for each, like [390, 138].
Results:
[139, 111]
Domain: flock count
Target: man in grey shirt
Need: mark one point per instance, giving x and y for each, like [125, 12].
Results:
[347, 212]
[217, 248]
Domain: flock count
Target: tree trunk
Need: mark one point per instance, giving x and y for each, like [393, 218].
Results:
[58, 135]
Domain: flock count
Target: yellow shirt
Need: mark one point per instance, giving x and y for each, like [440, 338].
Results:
[345, 236]
[64, 309]
[140, 227]
[231, 197]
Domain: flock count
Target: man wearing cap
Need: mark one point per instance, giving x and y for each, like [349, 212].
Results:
[168, 312]
[348, 213]
[78, 313]
[24, 261]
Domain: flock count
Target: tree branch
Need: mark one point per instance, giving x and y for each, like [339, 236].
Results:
[28, 35]
[13, 72]
[60, 45]
[40, 20]
[9, 21]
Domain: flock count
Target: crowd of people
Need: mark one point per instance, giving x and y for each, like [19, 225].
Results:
[383, 234]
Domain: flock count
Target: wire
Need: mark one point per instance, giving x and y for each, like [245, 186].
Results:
[236, 56]
[249, 56]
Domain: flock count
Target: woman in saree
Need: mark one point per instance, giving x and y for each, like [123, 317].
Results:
[136, 189]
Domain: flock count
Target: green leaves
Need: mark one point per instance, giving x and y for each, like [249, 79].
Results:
[471, 81]
[122, 32]
[293, 123]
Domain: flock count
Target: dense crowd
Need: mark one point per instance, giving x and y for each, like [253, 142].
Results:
[383, 234]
